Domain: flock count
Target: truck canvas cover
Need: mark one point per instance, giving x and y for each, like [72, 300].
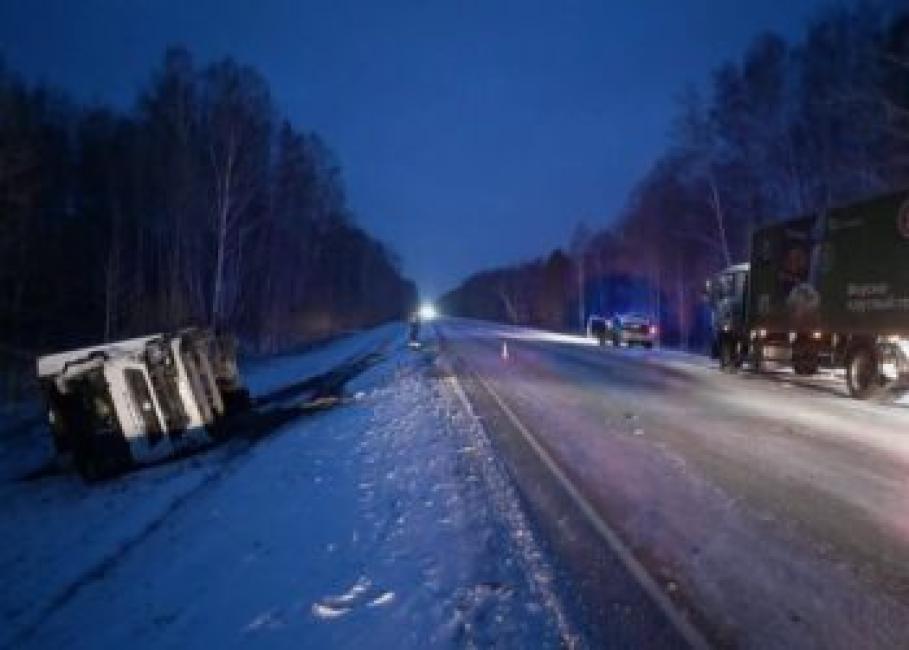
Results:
[846, 270]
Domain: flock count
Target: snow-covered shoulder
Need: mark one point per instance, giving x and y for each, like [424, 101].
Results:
[384, 522]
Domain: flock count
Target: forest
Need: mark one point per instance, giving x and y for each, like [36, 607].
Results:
[789, 129]
[199, 205]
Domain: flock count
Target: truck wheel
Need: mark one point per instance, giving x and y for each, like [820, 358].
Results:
[88, 467]
[648, 345]
[728, 356]
[862, 376]
[805, 364]
[92, 464]
[756, 357]
[236, 400]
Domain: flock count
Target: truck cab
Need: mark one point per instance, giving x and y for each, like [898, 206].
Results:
[824, 290]
[104, 413]
[141, 400]
[727, 294]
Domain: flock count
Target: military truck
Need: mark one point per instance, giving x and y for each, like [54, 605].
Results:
[141, 400]
[828, 290]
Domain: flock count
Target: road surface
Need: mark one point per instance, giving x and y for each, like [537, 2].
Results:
[770, 511]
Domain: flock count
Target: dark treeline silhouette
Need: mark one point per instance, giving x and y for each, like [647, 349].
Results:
[198, 206]
[789, 129]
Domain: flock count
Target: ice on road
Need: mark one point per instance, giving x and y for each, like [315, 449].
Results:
[386, 522]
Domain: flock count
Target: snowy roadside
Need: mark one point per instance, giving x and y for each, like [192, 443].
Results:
[384, 523]
[262, 375]
[61, 530]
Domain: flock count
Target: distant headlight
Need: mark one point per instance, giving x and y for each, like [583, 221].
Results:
[428, 311]
[653, 330]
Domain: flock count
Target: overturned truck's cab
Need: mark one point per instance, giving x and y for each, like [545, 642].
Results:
[141, 400]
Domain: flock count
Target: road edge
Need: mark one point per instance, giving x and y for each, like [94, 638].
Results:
[677, 618]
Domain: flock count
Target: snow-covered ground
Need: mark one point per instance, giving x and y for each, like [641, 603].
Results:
[770, 508]
[385, 522]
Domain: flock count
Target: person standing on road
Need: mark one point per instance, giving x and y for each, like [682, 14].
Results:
[414, 328]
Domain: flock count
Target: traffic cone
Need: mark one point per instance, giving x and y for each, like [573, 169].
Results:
[504, 350]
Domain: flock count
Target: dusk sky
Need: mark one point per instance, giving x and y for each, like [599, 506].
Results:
[470, 134]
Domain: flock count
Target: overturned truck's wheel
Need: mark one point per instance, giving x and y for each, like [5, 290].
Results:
[236, 400]
[88, 467]
[862, 375]
[96, 462]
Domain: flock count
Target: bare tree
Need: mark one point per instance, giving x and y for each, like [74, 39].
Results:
[580, 242]
[236, 125]
[697, 143]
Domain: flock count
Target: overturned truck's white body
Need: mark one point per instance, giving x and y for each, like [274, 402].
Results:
[140, 400]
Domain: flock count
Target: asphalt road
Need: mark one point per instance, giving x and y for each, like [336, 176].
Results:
[770, 510]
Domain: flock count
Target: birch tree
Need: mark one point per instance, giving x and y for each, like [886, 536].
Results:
[236, 119]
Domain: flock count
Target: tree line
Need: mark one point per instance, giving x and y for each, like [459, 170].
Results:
[789, 129]
[199, 205]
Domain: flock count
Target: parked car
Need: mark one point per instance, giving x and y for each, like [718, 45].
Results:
[633, 329]
[598, 328]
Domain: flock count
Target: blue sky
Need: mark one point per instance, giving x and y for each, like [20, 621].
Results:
[471, 133]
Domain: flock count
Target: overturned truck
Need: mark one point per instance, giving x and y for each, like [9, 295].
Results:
[141, 400]
[824, 290]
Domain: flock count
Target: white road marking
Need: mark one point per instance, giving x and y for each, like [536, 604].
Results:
[676, 618]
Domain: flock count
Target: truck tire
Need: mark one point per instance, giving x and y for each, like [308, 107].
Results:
[728, 355]
[756, 357]
[99, 459]
[236, 400]
[862, 377]
[805, 364]
[88, 466]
